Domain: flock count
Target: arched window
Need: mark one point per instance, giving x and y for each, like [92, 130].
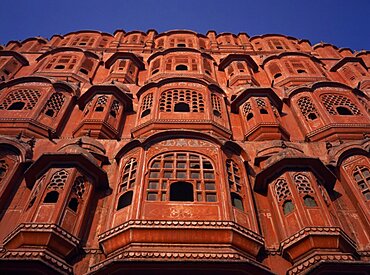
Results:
[54, 104]
[216, 105]
[181, 67]
[307, 108]
[235, 185]
[155, 66]
[361, 175]
[181, 191]
[124, 200]
[56, 184]
[339, 105]
[129, 175]
[170, 99]
[36, 191]
[288, 207]
[127, 183]
[20, 100]
[183, 168]
[146, 105]
[309, 201]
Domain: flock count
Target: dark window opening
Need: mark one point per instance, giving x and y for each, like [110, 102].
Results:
[208, 72]
[181, 68]
[301, 71]
[19, 105]
[155, 71]
[113, 113]
[51, 197]
[73, 204]
[216, 113]
[277, 75]
[59, 67]
[145, 113]
[84, 71]
[242, 71]
[181, 45]
[288, 207]
[82, 44]
[263, 111]
[312, 116]
[249, 116]
[343, 111]
[50, 113]
[124, 200]
[309, 201]
[6, 72]
[182, 107]
[99, 109]
[237, 201]
[279, 48]
[32, 202]
[181, 191]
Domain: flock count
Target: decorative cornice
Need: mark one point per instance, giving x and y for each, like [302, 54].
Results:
[43, 227]
[309, 231]
[297, 269]
[45, 257]
[160, 224]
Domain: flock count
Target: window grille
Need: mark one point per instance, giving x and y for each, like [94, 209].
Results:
[185, 167]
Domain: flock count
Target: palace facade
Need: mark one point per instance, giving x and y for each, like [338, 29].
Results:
[179, 152]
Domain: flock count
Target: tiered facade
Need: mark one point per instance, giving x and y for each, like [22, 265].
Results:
[184, 153]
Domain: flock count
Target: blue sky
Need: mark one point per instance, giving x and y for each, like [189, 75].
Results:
[344, 23]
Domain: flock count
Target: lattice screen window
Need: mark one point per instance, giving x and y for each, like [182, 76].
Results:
[56, 184]
[361, 174]
[284, 195]
[303, 184]
[4, 167]
[181, 101]
[261, 104]
[20, 100]
[247, 111]
[282, 190]
[83, 41]
[304, 188]
[62, 62]
[216, 105]
[339, 105]
[146, 105]
[78, 191]
[101, 103]
[54, 104]
[183, 169]
[307, 108]
[114, 108]
[234, 180]
[58, 180]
